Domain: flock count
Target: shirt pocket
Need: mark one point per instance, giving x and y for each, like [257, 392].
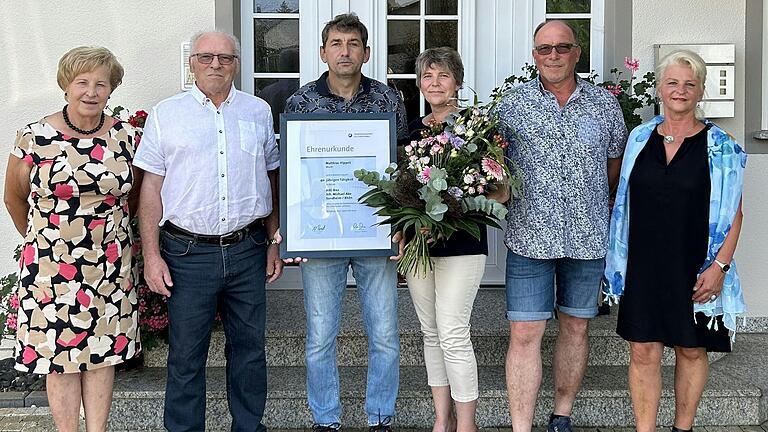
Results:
[251, 137]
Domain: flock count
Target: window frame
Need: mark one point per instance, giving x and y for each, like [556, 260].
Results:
[464, 14]
[596, 17]
[248, 49]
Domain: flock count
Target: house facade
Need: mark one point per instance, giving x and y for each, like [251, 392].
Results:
[280, 48]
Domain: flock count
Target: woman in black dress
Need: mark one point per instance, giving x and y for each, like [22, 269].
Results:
[667, 244]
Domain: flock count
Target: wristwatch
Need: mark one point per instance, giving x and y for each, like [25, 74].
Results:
[274, 241]
[723, 266]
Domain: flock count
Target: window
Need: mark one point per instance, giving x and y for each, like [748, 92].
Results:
[412, 27]
[274, 59]
[585, 17]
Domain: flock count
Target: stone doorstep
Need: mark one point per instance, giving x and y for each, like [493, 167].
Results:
[285, 334]
[16, 399]
[603, 401]
[352, 351]
[13, 399]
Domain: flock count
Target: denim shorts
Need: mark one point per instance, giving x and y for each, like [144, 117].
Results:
[531, 287]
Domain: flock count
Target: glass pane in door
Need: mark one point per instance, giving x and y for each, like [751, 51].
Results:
[276, 45]
[442, 7]
[402, 46]
[441, 33]
[403, 7]
[276, 6]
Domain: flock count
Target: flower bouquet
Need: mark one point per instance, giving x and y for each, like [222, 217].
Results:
[441, 185]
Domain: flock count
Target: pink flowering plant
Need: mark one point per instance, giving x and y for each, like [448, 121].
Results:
[9, 301]
[631, 95]
[441, 184]
[153, 307]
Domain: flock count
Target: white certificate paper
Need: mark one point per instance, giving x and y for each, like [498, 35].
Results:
[322, 214]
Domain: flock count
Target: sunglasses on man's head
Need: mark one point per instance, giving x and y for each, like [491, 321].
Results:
[563, 48]
[224, 59]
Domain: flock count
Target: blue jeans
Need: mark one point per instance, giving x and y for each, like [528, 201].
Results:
[530, 283]
[204, 276]
[325, 281]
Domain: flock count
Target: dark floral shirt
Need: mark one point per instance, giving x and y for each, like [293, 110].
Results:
[372, 97]
[562, 154]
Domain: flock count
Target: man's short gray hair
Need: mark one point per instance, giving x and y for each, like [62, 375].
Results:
[232, 38]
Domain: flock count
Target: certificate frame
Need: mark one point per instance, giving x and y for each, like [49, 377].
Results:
[320, 212]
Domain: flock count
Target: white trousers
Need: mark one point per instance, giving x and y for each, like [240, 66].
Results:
[443, 300]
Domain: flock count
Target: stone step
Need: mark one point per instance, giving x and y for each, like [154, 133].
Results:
[603, 401]
[286, 331]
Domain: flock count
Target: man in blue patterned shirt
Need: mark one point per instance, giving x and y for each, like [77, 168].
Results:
[344, 89]
[566, 137]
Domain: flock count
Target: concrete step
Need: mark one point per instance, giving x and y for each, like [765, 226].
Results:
[603, 401]
[286, 331]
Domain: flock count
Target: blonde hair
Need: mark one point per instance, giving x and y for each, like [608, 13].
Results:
[684, 58]
[86, 59]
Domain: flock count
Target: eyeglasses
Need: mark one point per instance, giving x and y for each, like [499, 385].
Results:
[207, 58]
[563, 48]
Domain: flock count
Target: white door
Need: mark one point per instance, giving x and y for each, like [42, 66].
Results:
[281, 50]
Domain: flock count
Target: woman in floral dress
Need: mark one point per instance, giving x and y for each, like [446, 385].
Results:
[70, 189]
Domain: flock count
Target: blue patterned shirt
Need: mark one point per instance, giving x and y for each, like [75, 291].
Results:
[372, 97]
[562, 155]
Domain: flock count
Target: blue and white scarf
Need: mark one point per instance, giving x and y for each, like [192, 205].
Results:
[727, 161]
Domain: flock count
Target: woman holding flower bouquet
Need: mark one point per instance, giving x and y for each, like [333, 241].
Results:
[443, 297]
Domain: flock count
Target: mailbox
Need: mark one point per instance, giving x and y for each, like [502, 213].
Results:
[720, 59]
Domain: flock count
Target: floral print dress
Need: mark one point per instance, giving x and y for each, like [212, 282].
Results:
[77, 306]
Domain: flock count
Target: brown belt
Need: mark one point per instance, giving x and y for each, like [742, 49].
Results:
[221, 240]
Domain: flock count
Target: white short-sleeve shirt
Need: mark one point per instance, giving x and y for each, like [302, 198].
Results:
[214, 160]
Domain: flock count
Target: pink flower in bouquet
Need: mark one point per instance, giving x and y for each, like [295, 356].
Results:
[423, 177]
[11, 321]
[632, 65]
[493, 169]
[14, 301]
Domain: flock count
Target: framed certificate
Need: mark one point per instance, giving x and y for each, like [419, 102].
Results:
[320, 215]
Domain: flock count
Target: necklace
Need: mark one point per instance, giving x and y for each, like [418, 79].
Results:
[77, 129]
[669, 139]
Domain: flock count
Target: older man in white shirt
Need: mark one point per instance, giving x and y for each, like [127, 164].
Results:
[208, 221]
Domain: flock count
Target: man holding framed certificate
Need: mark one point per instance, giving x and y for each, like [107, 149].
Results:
[344, 92]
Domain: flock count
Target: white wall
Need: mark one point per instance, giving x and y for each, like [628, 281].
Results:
[716, 21]
[34, 35]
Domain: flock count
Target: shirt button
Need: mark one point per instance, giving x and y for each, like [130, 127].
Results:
[223, 219]
[222, 175]
[221, 152]
[220, 131]
[218, 112]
